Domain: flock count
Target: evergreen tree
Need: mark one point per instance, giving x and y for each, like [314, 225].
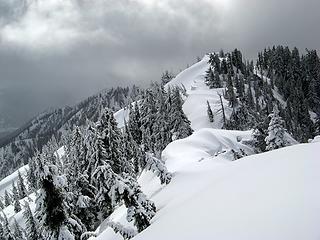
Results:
[52, 210]
[148, 117]
[134, 123]
[161, 129]
[21, 187]
[180, 124]
[31, 224]
[230, 92]
[259, 134]
[1, 230]
[6, 228]
[210, 78]
[106, 182]
[1, 204]
[17, 231]
[132, 152]
[7, 199]
[166, 77]
[110, 136]
[140, 209]
[276, 131]
[158, 167]
[17, 207]
[209, 112]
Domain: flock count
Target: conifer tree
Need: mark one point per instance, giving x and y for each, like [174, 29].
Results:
[132, 152]
[210, 78]
[7, 199]
[17, 207]
[31, 224]
[140, 209]
[6, 228]
[21, 187]
[134, 123]
[110, 137]
[17, 231]
[51, 207]
[276, 131]
[180, 124]
[209, 112]
[1, 230]
[166, 77]
[230, 92]
[259, 134]
[1, 204]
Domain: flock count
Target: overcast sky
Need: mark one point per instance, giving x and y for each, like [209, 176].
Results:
[56, 52]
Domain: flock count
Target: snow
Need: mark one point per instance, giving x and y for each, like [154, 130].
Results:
[211, 195]
[195, 105]
[267, 196]
[6, 183]
[121, 116]
[316, 139]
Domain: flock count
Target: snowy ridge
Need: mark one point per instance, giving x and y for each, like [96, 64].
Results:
[212, 197]
[195, 106]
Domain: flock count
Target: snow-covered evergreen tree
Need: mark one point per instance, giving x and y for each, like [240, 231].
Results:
[15, 194]
[134, 123]
[21, 186]
[1, 204]
[6, 228]
[17, 231]
[106, 182]
[140, 209]
[7, 198]
[32, 231]
[276, 131]
[52, 210]
[158, 167]
[110, 136]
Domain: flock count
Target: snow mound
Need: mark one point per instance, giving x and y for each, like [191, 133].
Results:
[273, 195]
[204, 144]
[316, 139]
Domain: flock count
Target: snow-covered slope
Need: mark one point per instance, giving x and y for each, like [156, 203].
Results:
[273, 195]
[265, 196]
[195, 106]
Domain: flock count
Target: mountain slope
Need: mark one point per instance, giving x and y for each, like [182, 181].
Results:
[267, 196]
[19, 146]
[211, 196]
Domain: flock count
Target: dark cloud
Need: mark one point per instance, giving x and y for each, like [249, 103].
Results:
[55, 52]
